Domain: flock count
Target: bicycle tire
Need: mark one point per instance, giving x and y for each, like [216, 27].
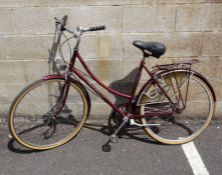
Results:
[34, 108]
[194, 119]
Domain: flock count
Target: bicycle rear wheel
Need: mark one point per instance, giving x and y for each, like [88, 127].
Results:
[38, 118]
[185, 125]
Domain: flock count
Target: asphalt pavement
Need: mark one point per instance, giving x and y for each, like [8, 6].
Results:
[134, 154]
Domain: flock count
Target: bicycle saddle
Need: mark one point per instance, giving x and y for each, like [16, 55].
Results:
[154, 49]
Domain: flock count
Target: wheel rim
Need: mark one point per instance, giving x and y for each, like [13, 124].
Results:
[33, 121]
[184, 127]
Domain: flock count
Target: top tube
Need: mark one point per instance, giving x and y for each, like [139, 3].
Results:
[96, 79]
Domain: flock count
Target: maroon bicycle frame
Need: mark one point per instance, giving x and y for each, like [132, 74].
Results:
[131, 97]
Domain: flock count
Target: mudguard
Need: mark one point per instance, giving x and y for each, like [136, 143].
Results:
[151, 81]
[53, 76]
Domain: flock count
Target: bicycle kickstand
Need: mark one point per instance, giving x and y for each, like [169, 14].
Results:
[113, 138]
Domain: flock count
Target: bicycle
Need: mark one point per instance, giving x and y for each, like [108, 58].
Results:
[174, 106]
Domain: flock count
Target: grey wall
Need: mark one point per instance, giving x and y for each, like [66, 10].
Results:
[189, 29]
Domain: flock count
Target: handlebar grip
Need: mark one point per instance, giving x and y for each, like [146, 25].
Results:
[97, 28]
[63, 22]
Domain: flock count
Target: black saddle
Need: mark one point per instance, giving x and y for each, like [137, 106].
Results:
[154, 49]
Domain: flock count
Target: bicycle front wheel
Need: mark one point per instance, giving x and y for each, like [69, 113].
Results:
[186, 89]
[39, 119]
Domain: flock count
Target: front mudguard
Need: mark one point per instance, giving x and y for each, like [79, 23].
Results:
[53, 76]
[78, 83]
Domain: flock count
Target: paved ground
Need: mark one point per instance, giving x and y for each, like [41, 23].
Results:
[133, 154]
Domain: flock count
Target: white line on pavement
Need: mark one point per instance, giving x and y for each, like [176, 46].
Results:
[194, 159]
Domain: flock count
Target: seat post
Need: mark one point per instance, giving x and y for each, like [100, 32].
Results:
[145, 55]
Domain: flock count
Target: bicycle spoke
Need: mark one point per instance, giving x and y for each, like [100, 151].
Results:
[189, 118]
[41, 121]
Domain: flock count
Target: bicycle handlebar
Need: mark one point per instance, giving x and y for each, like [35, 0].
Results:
[96, 28]
[62, 22]
[61, 25]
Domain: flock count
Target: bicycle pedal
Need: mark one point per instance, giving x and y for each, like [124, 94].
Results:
[106, 148]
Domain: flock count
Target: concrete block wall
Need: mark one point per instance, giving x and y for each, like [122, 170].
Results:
[189, 29]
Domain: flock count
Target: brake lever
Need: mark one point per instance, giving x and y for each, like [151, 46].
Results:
[57, 20]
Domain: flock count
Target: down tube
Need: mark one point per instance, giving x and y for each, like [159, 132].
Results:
[78, 73]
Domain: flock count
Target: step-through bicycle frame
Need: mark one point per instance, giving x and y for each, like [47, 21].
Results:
[131, 98]
[130, 105]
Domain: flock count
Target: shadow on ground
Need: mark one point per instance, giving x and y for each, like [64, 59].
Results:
[125, 86]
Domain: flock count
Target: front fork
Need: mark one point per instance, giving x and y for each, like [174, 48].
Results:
[50, 119]
[63, 95]
[60, 101]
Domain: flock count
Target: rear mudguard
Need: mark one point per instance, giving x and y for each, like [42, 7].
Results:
[208, 83]
[177, 69]
[79, 84]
